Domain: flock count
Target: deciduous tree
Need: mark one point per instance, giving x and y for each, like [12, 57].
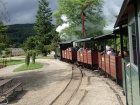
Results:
[94, 20]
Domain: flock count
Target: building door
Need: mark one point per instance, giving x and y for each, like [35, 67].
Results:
[132, 77]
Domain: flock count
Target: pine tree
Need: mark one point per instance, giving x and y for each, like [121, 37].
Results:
[43, 25]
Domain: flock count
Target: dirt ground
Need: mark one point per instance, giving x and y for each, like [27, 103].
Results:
[39, 85]
[43, 85]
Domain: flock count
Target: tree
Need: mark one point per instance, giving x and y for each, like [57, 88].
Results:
[43, 25]
[31, 43]
[94, 21]
[2, 27]
[55, 40]
[4, 40]
[27, 59]
[18, 33]
[33, 56]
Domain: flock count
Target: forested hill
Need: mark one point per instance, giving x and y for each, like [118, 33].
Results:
[19, 32]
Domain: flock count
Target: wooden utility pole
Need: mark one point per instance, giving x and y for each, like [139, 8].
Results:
[83, 19]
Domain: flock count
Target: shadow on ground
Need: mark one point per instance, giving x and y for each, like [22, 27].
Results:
[18, 96]
[36, 80]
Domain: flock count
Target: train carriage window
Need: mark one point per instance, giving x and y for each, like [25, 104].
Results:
[133, 36]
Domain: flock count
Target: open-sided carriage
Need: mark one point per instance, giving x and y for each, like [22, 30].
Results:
[119, 67]
[67, 51]
[110, 64]
[88, 57]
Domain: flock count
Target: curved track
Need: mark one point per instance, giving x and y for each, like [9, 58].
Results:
[69, 92]
[77, 89]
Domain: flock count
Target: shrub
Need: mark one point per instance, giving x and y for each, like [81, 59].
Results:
[33, 56]
[27, 60]
[7, 51]
[3, 53]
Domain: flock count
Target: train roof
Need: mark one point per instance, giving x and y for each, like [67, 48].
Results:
[122, 19]
[124, 31]
[85, 40]
[107, 36]
[66, 42]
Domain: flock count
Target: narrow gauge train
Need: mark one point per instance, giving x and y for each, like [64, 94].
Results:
[69, 52]
[130, 70]
[92, 58]
[130, 16]
[66, 54]
[89, 57]
[109, 63]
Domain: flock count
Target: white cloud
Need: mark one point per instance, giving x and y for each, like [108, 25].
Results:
[110, 9]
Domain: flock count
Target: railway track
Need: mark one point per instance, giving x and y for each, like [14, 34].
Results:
[74, 92]
[108, 82]
[115, 92]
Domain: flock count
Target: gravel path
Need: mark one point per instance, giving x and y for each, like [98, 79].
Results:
[102, 91]
[43, 85]
[40, 86]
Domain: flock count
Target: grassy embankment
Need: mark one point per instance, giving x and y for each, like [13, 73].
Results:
[24, 67]
[11, 62]
[31, 66]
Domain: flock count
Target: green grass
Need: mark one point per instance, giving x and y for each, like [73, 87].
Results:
[31, 66]
[12, 62]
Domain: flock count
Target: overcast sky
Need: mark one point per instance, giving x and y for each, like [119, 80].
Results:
[24, 11]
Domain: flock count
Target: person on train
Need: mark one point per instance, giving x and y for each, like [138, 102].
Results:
[85, 49]
[89, 50]
[124, 52]
[81, 49]
[69, 49]
[111, 52]
[105, 51]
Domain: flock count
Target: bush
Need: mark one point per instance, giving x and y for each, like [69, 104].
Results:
[7, 51]
[33, 56]
[3, 53]
[27, 60]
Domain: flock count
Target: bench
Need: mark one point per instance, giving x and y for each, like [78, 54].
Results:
[5, 82]
[8, 92]
[12, 89]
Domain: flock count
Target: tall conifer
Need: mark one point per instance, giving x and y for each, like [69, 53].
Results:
[43, 25]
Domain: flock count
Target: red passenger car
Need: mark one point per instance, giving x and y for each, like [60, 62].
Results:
[87, 56]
